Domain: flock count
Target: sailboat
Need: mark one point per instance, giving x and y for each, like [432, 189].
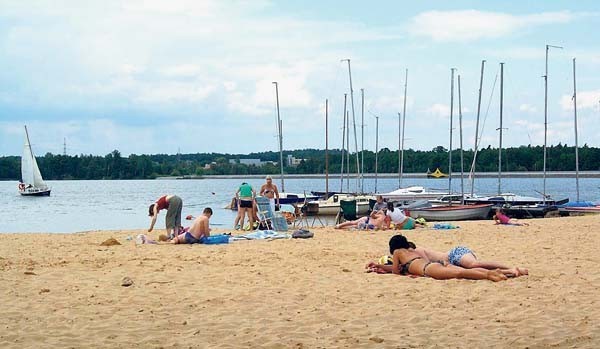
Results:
[450, 211]
[32, 182]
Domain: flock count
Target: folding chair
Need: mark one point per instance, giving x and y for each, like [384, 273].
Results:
[310, 210]
[347, 211]
[267, 218]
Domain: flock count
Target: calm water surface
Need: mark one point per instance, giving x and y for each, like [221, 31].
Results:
[104, 205]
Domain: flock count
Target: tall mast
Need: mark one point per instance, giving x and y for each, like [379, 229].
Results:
[472, 172]
[348, 152]
[500, 129]
[354, 124]
[451, 117]
[462, 165]
[546, 116]
[280, 136]
[326, 148]
[376, 149]
[576, 132]
[362, 142]
[403, 126]
[343, 145]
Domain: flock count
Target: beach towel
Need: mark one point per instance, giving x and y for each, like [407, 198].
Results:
[261, 235]
[439, 226]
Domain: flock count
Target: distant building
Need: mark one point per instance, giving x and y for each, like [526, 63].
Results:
[250, 162]
[209, 166]
[292, 161]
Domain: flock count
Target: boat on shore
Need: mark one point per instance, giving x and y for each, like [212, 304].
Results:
[331, 206]
[452, 213]
[414, 193]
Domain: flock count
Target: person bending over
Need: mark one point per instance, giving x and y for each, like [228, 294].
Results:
[173, 205]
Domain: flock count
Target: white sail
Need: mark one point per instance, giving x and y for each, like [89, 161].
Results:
[30, 171]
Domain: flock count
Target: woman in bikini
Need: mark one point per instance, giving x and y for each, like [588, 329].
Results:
[269, 190]
[405, 260]
[458, 256]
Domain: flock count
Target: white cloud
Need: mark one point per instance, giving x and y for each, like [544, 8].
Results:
[469, 25]
[439, 110]
[585, 100]
[528, 108]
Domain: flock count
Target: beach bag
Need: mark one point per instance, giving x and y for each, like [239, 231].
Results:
[302, 234]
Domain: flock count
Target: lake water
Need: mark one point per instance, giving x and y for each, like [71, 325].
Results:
[109, 205]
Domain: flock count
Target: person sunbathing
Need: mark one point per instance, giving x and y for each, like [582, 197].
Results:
[373, 221]
[405, 260]
[459, 256]
[501, 218]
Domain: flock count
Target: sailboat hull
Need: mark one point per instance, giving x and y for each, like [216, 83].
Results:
[35, 192]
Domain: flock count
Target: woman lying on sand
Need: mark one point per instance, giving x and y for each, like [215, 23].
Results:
[459, 256]
[376, 220]
[405, 260]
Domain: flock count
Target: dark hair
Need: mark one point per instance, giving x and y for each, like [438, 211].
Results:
[400, 241]
[151, 210]
[390, 206]
[208, 210]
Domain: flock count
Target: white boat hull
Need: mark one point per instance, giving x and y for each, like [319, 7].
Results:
[452, 213]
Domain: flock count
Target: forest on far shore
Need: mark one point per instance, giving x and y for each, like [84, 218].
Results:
[115, 166]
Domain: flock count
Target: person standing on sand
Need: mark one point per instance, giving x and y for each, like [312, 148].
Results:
[173, 205]
[245, 197]
[269, 190]
[198, 231]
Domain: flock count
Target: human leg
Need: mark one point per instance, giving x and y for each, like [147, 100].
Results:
[469, 261]
[440, 272]
[349, 224]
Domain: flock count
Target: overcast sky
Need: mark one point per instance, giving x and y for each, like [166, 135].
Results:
[158, 76]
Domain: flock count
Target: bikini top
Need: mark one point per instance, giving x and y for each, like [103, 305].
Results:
[404, 267]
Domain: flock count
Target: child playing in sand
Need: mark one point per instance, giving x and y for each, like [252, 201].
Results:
[501, 218]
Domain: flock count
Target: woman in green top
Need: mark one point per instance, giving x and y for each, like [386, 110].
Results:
[245, 197]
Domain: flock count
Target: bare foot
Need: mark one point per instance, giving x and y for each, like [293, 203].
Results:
[495, 275]
[522, 271]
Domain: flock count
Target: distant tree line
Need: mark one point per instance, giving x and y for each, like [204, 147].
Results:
[115, 166]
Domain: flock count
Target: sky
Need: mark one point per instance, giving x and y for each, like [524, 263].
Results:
[148, 77]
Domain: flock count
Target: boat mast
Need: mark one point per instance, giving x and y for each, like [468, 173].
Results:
[326, 148]
[280, 136]
[500, 129]
[376, 149]
[472, 172]
[546, 115]
[462, 165]
[343, 145]
[576, 132]
[451, 117]
[362, 142]
[403, 125]
[347, 151]
[354, 124]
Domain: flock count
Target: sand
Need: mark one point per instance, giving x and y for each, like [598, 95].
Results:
[65, 290]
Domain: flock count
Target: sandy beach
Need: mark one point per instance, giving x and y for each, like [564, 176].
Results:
[64, 290]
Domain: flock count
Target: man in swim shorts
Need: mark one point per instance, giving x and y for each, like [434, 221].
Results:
[269, 190]
[198, 231]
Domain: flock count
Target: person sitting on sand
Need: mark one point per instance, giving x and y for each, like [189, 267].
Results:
[173, 204]
[459, 256]
[399, 220]
[380, 204]
[198, 231]
[501, 218]
[375, 220]
[405, 260]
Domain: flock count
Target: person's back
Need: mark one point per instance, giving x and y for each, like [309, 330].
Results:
[396, 215]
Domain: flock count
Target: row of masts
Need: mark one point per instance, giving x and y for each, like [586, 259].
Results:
[401, 138]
